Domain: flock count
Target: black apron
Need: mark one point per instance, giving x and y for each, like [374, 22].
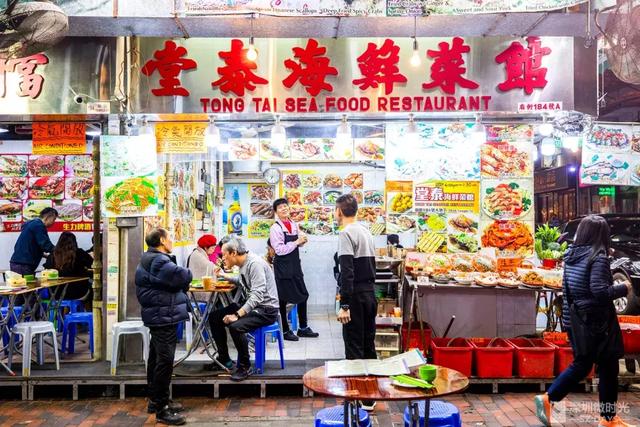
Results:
[288, 274]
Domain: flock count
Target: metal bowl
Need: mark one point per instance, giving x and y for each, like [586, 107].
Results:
[386, 263]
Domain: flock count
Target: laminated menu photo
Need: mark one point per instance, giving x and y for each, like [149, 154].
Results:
[396, 365]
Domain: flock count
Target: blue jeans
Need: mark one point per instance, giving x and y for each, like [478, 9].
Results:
[578, 370]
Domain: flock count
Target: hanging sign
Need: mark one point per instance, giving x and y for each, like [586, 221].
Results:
[59, 138]
[181, 138]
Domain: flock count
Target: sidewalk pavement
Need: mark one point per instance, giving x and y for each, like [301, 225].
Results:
[510, 409]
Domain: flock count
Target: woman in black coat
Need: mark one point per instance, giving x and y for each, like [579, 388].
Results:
[589, 317]
[71, 261]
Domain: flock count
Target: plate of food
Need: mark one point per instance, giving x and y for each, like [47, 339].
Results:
[487, 280]
[509, 280]
[464, 280]
[400, 223]
[306, 149]
[46, 165]
[368, 214]
[483, 264]
[400, 202]
[330, 197]
[13, 165]
[313, 198]
[48, 187]
[514, 237]
[32, 208]
[503, 159]
[311, 181]
[369, 148]
[463, 223]
[10, 210]
[294, 197]
[262, 210]
[259, 228]
[297, 213]
[358, 196]
[243, 148]
[609, 138]
[432, 222]
[509, 132]
[462, 263]
[440, 263]
[321, 214]
[374, 197]
[271, 151]
[432, 242]
[131, 196]
[601, 168]
[463, 242]
[79, 165]
[292, 181]
[12, 187]
[378, 228]
[79, 188]
[262, 193]
[69, 211]
[506, 201]
[531, 278]
[354, 181]
[332, 181]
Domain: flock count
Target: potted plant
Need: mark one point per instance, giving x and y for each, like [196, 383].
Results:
[549, 251]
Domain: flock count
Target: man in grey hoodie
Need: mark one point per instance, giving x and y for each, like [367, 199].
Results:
[259, 309]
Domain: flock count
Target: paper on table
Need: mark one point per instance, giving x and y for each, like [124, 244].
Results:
[386, 368]
[361, 368]
[411, 358]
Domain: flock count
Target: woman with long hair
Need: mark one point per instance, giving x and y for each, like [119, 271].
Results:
[589, 317]
[71, 261]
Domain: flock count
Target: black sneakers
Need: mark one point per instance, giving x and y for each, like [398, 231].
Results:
[215, 367]
[307, 333]
[173, 407]
[290, 336]
[168, 417]
[240, 374]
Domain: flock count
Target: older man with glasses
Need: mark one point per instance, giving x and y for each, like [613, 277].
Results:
[260, 308]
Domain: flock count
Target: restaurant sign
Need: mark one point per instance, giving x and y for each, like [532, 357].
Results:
[453, 74]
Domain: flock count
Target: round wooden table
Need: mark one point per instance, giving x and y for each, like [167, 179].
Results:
[354, 389]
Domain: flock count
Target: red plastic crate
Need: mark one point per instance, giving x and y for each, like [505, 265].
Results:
[415, 341]
[564, 358]
[630, 337]
[493, 357]
[534, 357]
[454, 353]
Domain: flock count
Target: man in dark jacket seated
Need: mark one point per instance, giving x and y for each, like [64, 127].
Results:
[161, 287]
[260, 308]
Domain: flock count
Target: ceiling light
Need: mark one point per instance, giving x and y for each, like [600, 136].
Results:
[535, 154]
[252, 53]
[212, 134]
[415, 60]
[546, 128]
[343, 133]
[278, 135]
[572, 169]
[571, 143]
[413, 134]
[145, 128]
[3, 130]
[478, 131]
[548, 147]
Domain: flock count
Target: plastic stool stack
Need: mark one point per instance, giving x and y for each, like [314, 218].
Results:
[334, 416]
[29, 331]
[70, 330]
[129, 327]
[260, 336]
[441, 414]
[293, 318]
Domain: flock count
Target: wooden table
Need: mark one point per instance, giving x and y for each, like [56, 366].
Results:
[353, 389]
[33, 306]
[216, 294]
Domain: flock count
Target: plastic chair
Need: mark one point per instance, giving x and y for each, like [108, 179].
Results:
[292, 316]
[69, 331]
[30, 330]
[4, 311]
[74, 306]
[188, 325]
[441, 414]
[260, 336]
[129, 327]
[334, 416]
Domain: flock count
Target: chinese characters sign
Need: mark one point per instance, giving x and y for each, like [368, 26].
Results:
[29, 81]
[447, 196]
[179, 138]
[354, 75]
[59, 138]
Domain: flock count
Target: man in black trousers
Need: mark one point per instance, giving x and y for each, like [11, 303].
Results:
[161, 287]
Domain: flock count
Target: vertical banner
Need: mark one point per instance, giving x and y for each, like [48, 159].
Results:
[181, 138]
[59, 138]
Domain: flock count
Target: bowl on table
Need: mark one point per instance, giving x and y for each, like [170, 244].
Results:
[428, 372]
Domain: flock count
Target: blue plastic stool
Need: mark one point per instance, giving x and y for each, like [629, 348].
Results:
[441, 414]
[334, 416]
[17, 311]
[69, 331]
[293, 318]
[74, 306]
[260, 336]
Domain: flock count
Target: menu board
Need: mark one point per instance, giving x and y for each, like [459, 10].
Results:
[129, 171]
[181, 138]
[312, 196]
[611, 156]
[401, 216]
[29, 183]
[59, 138]
[261, 198]
[183, 204]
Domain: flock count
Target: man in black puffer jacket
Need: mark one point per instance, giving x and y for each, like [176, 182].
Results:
[161, 287]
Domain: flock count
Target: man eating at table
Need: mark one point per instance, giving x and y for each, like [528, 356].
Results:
[260, 308]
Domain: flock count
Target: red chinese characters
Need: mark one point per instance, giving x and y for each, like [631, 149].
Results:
[30, 83]
[311, 70]
[448, 67]
[237, 75]
[379, 66]
[524, 66]
[169, 62]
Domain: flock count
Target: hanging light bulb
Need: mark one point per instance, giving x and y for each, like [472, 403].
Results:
[548, 146]
[146, 129]
[252, 53]
[415, 60]
[535, 154]
[413, 133]
[278, 135]
[3, 130]
[479, 131]
[546, 128]
[343, 133]
[571, 143]
[212, 135]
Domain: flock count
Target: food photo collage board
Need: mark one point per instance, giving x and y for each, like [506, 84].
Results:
[611, 155]
[29, 183]
[459, 194]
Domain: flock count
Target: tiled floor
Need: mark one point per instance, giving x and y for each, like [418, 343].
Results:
[477, 410]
